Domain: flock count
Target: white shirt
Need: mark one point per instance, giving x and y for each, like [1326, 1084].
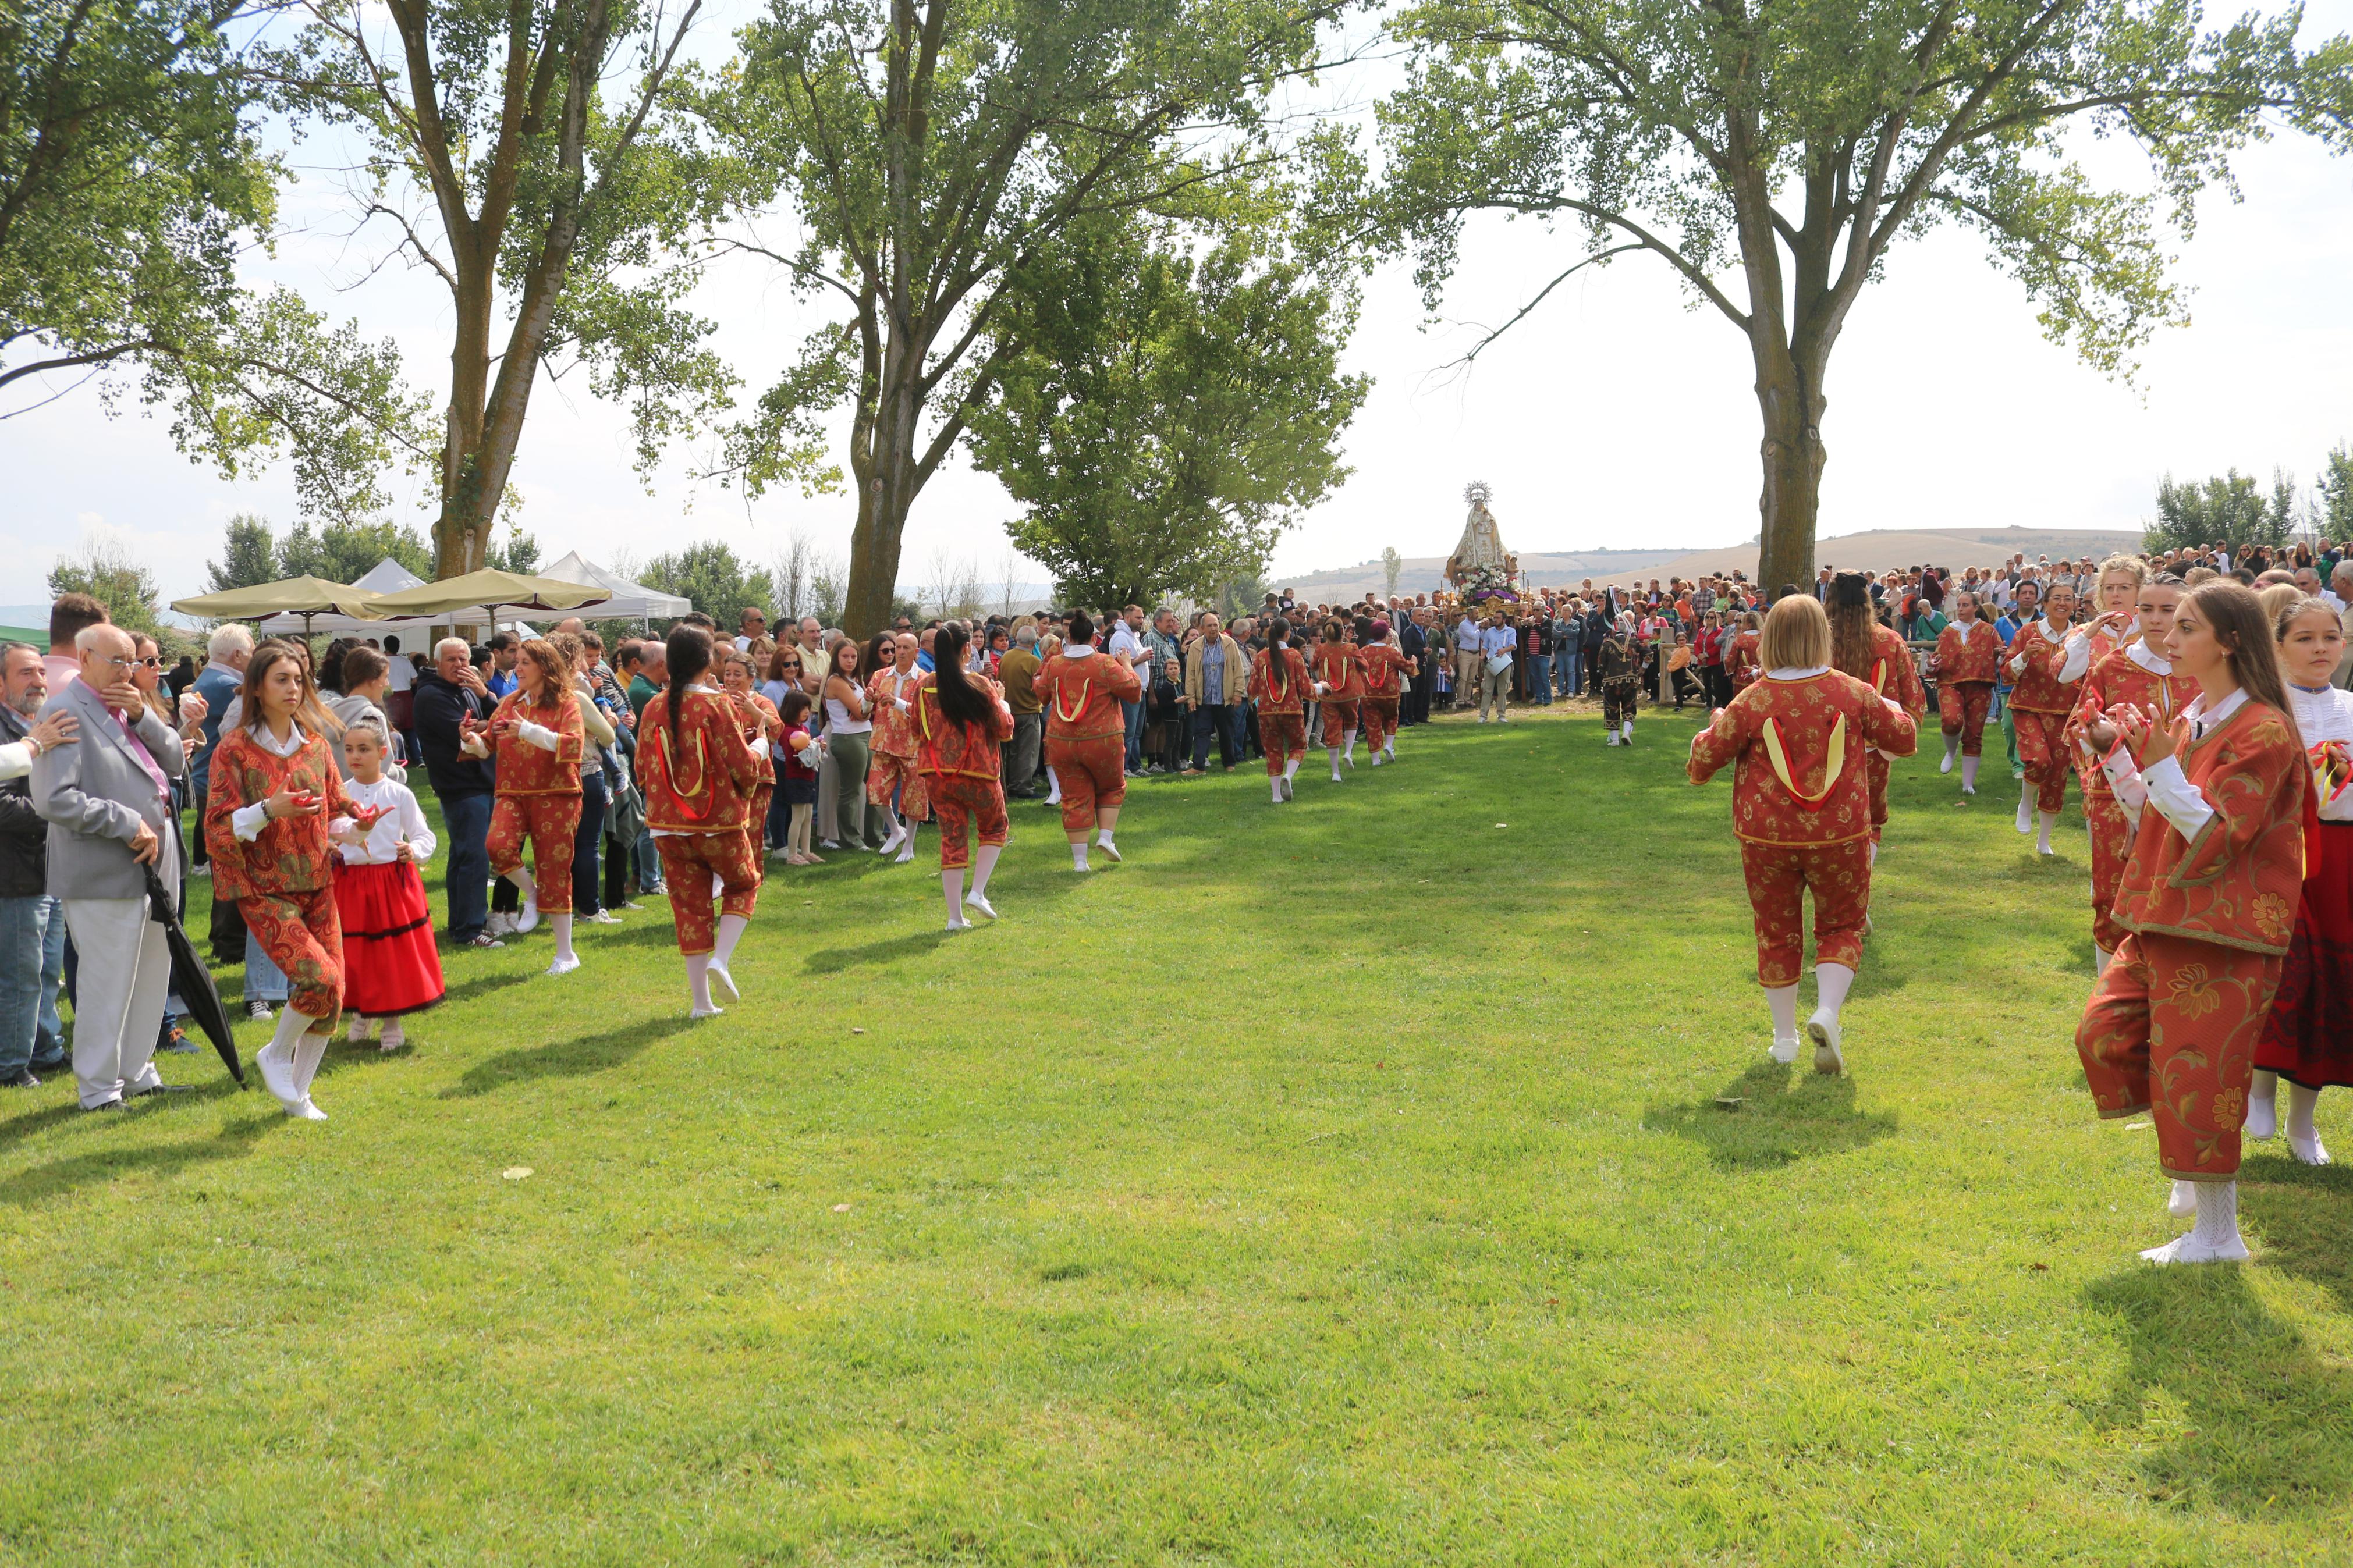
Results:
[2324, 716]
[1498, 639]
[403, 674]
[404, 819]
[1125, 645]
[2165, 785]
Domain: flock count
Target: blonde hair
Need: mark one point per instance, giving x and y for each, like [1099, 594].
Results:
[2132, 566]
[1797, 635]
[2277, 598]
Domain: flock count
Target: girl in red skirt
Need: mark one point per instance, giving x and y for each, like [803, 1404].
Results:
[797, 754]
[1086, 735]
[960, 726]
[2208, 904]
[2308, 1037]
[699, 774]
[276, 798]
[2040, 706]
[391, 967]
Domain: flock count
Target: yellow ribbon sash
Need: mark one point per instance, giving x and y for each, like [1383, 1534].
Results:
[1833, 763]
[1062, 709]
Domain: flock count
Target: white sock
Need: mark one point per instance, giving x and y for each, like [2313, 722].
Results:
[1054, 786]
[521, 876]
[984, 862]
[1104, 837]
[2302, 1137]
[308, 1052]
[1627, 728]
[2049, 819]
[698, 981]
[951, 890]
[906, 847]
[1783, 1000]
[1870, 854]
[1831, 982]
[562, 924]
[2100, 959]
[1079, 855]
[1348, 746]
[1952, 749]
[1291, 768]
[2218, 1213]
[395, 1037]
[2263, 1105]
[1275, 783]
[283, 1041]
[1333, 752]
[731, 931]
[1969, 773]
[2026, 805]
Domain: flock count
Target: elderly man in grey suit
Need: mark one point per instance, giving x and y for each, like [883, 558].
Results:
[108, 804]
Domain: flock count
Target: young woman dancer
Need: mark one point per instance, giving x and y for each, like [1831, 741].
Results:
[2308, 1039]
[1340, 684]
[2115, 624]
[699, 774]
[275, 800]
[1279, 685]
[538, 735]
[1386, 671]
[960, 726]
[1740, 665]
[1875, 655]
[1801, 810]
[2040, 704]
[391, 967]
[2208, 904]
[1086, 735]
[1967, 660]
[762, 730]
[894, 783]
[2139, 675]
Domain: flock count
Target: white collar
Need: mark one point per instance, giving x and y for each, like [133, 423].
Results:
[2155, 664]
[1791, 672]
[295, 740]
[2050, 631]
[1076, 650]
[2201, 722]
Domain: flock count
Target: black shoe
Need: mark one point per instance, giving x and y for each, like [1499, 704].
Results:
[106, 1105]
[21, 1079]
[179, 1044]
[160, 1089]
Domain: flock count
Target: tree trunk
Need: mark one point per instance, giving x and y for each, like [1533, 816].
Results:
[1791, 404]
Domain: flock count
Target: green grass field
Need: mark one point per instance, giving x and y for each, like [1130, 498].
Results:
[1343, 1183]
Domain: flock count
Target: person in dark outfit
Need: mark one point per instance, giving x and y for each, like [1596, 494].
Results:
[447, 695]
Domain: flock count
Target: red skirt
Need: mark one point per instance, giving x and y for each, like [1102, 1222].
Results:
[2308, 1037]
[390, 965]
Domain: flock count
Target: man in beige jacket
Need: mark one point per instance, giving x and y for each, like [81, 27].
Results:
[1216, 683]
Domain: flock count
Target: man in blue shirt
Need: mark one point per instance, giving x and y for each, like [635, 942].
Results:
[501, 679]
[1497, 639]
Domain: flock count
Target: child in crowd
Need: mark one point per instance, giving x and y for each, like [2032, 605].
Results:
[796, 776]
[391, 968]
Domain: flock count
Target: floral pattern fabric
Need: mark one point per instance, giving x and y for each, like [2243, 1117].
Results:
[688, 862]
[549, 824]
[961, 801]
[303, 935]
[1282, 737]
[1779, 877]
[1082, 697]
[1093, 773]
[290, 854]
[1279, 684]
[1970, 652]
[2239, 882]
[2172, 1030]
[702, 780]
[525, 769]
[1802, 716]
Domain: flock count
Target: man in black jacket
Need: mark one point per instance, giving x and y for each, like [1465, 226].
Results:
[451, 692]
[32, 925]
[1413, 643]
[1597, 632]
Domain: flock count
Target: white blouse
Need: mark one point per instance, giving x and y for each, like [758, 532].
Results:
[2324, 716]
[404, 819]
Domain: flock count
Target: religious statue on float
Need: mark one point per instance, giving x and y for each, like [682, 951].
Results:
[1481, 568]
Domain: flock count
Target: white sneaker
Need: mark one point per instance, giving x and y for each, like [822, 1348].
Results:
[723, 983]
[1826, 1034]
[528, 922]
[303, 1110]
[277, 1077]
[828, 843]
[565, 965]
[705, 1012]
[1945, 767]
[1783, 1051]
[975, 902]
[956, 925]
[2181, 1203]
[603, 918]
[1105, 846]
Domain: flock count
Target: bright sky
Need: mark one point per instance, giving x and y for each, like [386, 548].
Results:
[1615, 417]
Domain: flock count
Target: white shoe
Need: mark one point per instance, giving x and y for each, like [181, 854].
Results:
[303, 1110]
[906, 853]
[1826, 1034]
[1947, 766]
[277, 1077]
[705, 1011]
[528, 922]
[1783, 1051]
[565, 965]
[603, 918]
[828, 843]
[1969, 790]
[898, 836]
[2190, 1249]
[723, 983]
[395, 1037]
[957, 925]
[2181, 1203]
[499, 925]
[2026, 815]
[358, 1030]
[2314, 1153]
[1105, 846]
[2263, 1117]
[1377, 759]
[975, 902]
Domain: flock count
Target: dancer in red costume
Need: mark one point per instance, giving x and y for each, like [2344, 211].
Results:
[2209, 905]
[699, 774]
[1340, 683]
[763, 729]
[276, 800]
[1086, 734]
[1875, 656]
[538, 734]
[2308, 1039]
[2040, 706]
[1740, 664]
[892, 780]
[1279, 685]
[1967, 663]
[2136, 675]
[1386, 669]
[1801, 810]
[960, 726]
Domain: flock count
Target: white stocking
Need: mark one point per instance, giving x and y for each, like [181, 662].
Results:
[1831, 981]
[1333, 752]
[984, 862]
[2049, 820]
[1290, 769]
[1952, 749]
[1348, 746]
[951, 888]
[277, 1059]
[521, 876]
[2263, 1105]
[2101, 958]
[308, 1052]
[562, 924]
[1079, 855]
[1970, 774]
[1870, 854]
[698, 981]
[2302, 1137]
[1275, 783]
[731, 931]
[1783, 1000]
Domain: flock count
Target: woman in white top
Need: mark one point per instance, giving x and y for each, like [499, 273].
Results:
[846, 727]
[366, 677]
[2308, 1037]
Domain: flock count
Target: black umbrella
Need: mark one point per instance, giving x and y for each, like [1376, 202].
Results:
[192, 978]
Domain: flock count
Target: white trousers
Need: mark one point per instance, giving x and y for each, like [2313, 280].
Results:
[125, 974]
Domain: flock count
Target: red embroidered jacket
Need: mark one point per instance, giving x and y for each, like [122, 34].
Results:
[1800, 745]
[1278, 680]
[702, 781]
[2036, 688]
[2238, 882]
[290, 854]
[2115, 680]
[1967, 651]
[1082, 695]
[526, 769]
[758, 717]
[894, 732]
[1384, 668]
[1336, 667]
[1740, 660]
[1894, 673]
[968, 751]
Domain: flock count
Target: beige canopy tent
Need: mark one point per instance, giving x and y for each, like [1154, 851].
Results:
[491, 591]
[309, 597]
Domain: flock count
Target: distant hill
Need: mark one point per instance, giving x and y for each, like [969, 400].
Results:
[1420, 573]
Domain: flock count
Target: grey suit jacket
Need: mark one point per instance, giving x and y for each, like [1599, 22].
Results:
[94, 795]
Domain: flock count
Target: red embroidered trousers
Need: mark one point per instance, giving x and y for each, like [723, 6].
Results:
[303, 935]
[1780, 876]
[688, 862]
[550, 822]
[2043, 747]
[2172, 1030]
[1283, 738]
[958, 799]
[1380, 720]
[885, 773]
[1092, 774]
[1962, 710]
[2112, 837]
[1339, 718]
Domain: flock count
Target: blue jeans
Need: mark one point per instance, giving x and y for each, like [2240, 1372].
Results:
[1565, 666]
[467, 878]
[588, 840]
[1133, 712]
[264, 980]
[32, 965]
[650, 877]
[1226, 719]
[1540, 677]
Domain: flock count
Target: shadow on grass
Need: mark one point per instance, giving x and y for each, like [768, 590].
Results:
[481, 985]
[40, 1183]
[2264, 1415]
[1775, 1122]
[573, 1058]
[834, 960]
[2305, 1214]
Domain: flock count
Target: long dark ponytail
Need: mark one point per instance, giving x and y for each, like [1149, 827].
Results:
[962, 701]
[689, 652]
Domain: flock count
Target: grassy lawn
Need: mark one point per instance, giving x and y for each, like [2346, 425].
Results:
[1345, 1183]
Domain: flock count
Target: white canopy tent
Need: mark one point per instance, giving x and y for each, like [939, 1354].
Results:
[630, 601]
[389, 576]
